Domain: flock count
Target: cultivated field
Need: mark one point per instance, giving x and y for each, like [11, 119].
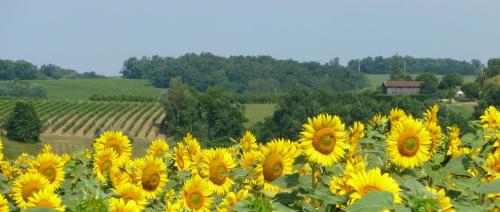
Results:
[88, 118]
[81, 89]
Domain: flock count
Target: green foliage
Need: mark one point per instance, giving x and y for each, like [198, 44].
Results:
[82, 89]
[492, 70]
[490, 97]
[292, 110]
[213, 115]
[121, 98]
[471, 90]
[242, 74]
[23, 123]
[21, 89]
[429, 83]
[381, 65]
[451, 80]
[23, 70]
[373, 201]
[398, 73]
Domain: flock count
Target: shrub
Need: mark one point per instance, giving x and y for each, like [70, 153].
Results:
[23, 124]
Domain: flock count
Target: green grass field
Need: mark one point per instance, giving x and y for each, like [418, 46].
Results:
[258, 112]
[81, 89]
[375, 80]
[464, 108]
[63, 144]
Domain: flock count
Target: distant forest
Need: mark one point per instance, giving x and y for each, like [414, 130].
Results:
[23, 70]
[243, 74]
[381, 65]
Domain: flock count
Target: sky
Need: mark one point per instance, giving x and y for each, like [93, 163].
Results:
[96, 35]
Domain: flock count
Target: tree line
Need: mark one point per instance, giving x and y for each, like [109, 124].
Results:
[384, 65]
[242, 74]
[23, 70]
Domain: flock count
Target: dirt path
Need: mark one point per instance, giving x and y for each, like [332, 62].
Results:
[138, 122]
[149, 122]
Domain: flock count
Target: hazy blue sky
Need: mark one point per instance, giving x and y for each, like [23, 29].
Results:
[100, 35]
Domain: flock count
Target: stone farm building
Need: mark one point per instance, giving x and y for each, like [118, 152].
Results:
[402, 87]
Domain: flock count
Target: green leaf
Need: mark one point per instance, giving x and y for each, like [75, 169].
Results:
[373, 201]
[488, 188]
[456, 166]
[414, 186]
[280, 207]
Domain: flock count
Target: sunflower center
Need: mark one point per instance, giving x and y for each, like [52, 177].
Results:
[497, 167]
[272, 167]
[408, 147]
[324, 140]
[50, 173]
[369, 188]
[106, 166]
[45, 203]
[28, 191]
[151, 182]
[217, 172]
[195, 200]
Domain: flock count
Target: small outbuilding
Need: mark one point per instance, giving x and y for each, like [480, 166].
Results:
[402, 87]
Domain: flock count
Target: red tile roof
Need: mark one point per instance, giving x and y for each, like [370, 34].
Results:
[405, 84]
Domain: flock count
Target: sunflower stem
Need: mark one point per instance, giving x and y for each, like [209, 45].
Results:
[313, 177]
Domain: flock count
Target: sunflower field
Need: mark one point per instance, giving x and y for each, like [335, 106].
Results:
[394, 162]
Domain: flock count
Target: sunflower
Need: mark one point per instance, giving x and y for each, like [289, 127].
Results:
[430, 114]
[151, 176]
[1, 148]
[46, 148]
[159, 148]
[396, 114]
[408, 143]
[45, 199]
[454, 143]
[217, 163]
[373, 180]
[231, 199]
[120, 205]
[25, 186]
[442, 199]
[338, 184]
[175, 207]
[378, 118]
[119, 177]
[356, 132]
[181, 157]
[276, 159]
[129, 192]
[491, 118]
[248, 159]
[117, 141]
[192, 145]
[51, 166]
[492, 166]
[196, 194]
[169, 195]
[248, 142]
[105, 162]
[4, 205]
[323, 139]
[7, 170]
[436, 135]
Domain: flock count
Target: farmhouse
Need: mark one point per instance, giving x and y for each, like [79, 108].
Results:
[402, 87]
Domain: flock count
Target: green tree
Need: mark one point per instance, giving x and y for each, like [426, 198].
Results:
[398, 73]
[224, 117]
[181, 110]
[471, 90]
[23, 124]
[492, 70]
[429, 83]
[451, 80]
[213, 116]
